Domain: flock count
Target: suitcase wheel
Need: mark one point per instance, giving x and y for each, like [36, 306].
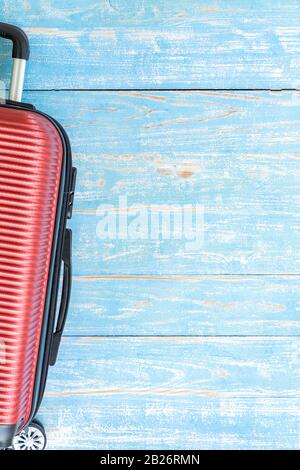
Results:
[33, 437]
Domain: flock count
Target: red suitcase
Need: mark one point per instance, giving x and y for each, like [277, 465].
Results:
[37, 185]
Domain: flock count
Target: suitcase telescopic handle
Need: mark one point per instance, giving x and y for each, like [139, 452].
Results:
[20, 55]
[65, 297]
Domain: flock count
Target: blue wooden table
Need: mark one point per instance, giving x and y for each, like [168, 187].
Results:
[172, 103]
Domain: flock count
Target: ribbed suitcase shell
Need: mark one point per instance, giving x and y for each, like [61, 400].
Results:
[31, 154]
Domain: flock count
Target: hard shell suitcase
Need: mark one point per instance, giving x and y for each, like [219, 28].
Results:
[37, 183]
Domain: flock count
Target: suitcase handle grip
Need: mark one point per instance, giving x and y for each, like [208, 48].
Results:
[19, 39]
[20, 55]
[65, 297]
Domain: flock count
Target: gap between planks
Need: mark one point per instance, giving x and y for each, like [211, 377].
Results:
[176, 277]
[279, 90]
[166, 392]
[179, 337]
[182, 277]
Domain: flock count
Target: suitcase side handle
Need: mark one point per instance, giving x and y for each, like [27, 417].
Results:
[20, 55]
[65, 297]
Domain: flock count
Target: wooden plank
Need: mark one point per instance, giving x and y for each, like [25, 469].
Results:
[170, 422]
[182, 305]
[174, 147]
[235, 245]
[234, 154]
[159, 43]
[223, 367]
[174, 393]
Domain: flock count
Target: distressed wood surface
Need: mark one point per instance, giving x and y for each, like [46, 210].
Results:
[174, 393]
[202, 366]
[227, 150]
[234, 154]
[185, 305]
[243, 245]
[171, 422]
[159, 43]
[192, 379]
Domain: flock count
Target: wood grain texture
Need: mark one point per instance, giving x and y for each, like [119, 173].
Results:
[171, 422]
[211, 367]
[174, 393]
[234, 154]
[183, 305]
[159, 43]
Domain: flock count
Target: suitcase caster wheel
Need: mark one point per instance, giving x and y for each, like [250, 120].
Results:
[31, 438]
